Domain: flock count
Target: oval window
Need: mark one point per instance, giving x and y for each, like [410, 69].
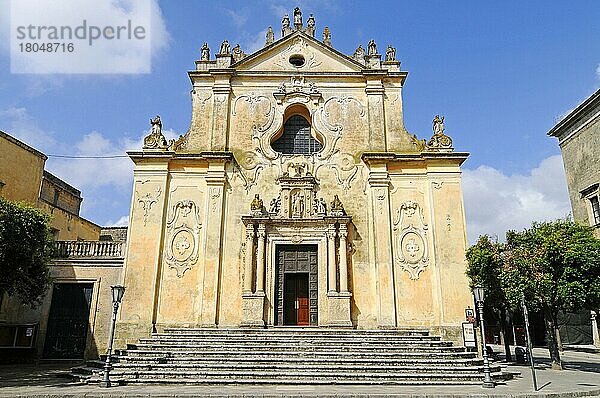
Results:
[297, 60]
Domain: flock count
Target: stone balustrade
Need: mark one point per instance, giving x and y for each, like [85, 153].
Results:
[90, 249]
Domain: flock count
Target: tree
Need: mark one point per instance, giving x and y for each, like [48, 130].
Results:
[557, 266]
[26, 248]
[485, 267]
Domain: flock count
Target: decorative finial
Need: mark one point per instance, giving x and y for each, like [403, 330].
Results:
[224, 48]
[285, 26]
[390, 54]
[297, 19]
[372, 48]
[310, 26]
[156, 139]
[327, 36]
[205, 52]
[439, 141]
[270, 36]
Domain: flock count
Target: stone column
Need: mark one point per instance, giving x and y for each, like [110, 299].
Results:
[331, 272]
[260, 260]
[595, 333]
[343, 253]
[249, 257]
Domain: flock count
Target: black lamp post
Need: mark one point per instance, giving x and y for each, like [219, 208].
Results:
[479, 293]
[117, 295]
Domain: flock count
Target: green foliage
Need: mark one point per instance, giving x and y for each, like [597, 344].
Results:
[556, 264]
[485, 268]
[26, 248]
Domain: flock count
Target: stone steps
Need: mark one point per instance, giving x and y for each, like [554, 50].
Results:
[291, 356]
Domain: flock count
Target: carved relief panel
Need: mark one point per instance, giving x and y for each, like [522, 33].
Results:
[183, 236]
[410, 240]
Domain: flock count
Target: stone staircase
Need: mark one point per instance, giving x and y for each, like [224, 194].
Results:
[292, 356]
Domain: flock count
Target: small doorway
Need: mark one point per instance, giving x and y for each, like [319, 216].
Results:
[296, 287]
[295, 300]
[68, 321]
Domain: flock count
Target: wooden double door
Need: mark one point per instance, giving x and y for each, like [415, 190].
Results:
[297, 276]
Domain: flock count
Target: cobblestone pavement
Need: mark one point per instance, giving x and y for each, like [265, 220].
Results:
[581, 377]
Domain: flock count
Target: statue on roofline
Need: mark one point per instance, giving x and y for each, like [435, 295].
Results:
[372, 48]
[285, 26]
[297, 18]
[156, 139]
[270, 36]
[310, 26]
[205, 52]
[224, 48]
[327, 36]
[390, 54]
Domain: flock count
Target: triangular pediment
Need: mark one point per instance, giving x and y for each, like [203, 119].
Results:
[316, 57]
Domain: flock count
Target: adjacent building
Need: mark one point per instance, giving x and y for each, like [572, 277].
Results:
[578, 136]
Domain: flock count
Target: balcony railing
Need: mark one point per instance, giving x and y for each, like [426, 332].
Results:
[89, 249]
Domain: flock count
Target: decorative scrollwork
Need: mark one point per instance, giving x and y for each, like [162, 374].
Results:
[183, 237]
[412, 252]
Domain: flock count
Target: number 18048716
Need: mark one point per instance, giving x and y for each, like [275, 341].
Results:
[47, 47]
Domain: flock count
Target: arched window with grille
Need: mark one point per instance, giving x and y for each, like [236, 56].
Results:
[296, 138]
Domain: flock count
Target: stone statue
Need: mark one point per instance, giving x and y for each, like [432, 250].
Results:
[270, 36]
[439, 140]
[155, 139]
[238, 54]
[256, 206]
[275, 205]
[337, 209]
[372, 48]
[224, 48]
[310, 26]
[327, 36]
[390, 54]
[321, 207]
[297, 18]
[205, 52]
[298, 205]
[438, 125]
[285, 26]
[359, 54]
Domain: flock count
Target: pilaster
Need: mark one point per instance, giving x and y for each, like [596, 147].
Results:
[375, 92]
[220, 116]
[213, 238]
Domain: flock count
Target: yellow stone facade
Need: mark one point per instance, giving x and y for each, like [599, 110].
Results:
[380, 210]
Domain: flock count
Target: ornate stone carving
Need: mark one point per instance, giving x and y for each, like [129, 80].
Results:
[147, 200]
[237, 53]
[437, 184]
[224, 50]
[215, 194]
[390, 54]
[183, 236]
[156, 139]
[310, 26]
[260, 109]
[285, 26]
[297, 91]
[411, 242]
[297, 18]
[298, 46]
[270, 36]
[205, 52]
[439, 141]
[257, 207]
[275, 206]
[359, 54]
[337, 208]
[327, 36]
[372, 47]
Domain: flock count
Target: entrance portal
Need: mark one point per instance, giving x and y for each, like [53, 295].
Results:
[296, 287]
[295, 299]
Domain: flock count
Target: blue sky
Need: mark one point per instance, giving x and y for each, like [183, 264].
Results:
[500, 72]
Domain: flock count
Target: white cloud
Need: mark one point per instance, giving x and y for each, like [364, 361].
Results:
[254, 42]
[598, 71]
[496, 202]
[18, 123]
[121, 222]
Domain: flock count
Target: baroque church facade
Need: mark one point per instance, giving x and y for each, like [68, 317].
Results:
[296, 198]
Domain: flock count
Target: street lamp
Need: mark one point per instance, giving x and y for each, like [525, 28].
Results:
[479, 293]
[117, 295]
